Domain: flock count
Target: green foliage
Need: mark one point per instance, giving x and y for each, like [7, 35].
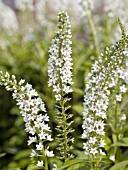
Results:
[121, 142]
[33, 167]
[72, 164]
[122, 165]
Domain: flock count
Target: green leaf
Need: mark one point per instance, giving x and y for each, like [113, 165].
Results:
[124, 129]
[120, 166]
[122, 142]
[78, 91]
[2, 154]
[13, 169]
[80, 166]
[23, 154]
[78, 108]
[34, 167]
[72, 162]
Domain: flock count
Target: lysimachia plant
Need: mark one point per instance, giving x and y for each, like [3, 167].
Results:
[36, 124]
[105, 107]
[107, 78]
[60, 78]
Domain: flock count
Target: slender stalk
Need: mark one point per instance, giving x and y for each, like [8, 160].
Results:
[64, 129]
[95, 165]
[94, 34]
[60, 78]
[109, 30]
[65, 144]
[45, 159]
[116, 121]
[63, 115]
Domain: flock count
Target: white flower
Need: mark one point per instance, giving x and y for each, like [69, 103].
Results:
[99, 124]
[101, 114]
[54, 166]
[33, 153]
[49, 153]
[86, 148]
[123, 117]
[118, 97]
[102, 143]
[21, 82]
[56, 88]
[39, 146]
[40, 163]
[32, 139]
[123, 89]
[102, 153]
[112, 157]
[94, 151]
[92, 140]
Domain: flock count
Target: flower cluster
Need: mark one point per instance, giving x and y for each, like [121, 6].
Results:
[119, 74]
[60, 61]
[105, 74]
[31, 106]
[118, 86]
[60, 78]
[95, 106]
[126, 70]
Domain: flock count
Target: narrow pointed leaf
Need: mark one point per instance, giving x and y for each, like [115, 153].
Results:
[120, 166]
[71, 163]
[122, 142]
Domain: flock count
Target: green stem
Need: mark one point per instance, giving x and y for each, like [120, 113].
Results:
[116, 121]
[65, 144]
[94, 34]
[45, 159]
[95, 165]
[109, 31]
[64, 130]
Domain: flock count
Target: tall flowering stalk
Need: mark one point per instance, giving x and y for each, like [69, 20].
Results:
[117, 115]
[106, 73]
[32, 109]
[87, 8]
[60, 79]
